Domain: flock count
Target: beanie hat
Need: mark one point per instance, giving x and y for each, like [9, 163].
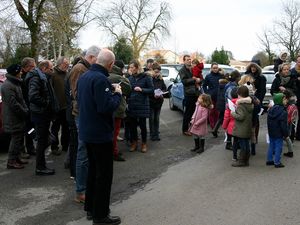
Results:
[120, 64]
[250, 88]
[278, 98]
[14, 69]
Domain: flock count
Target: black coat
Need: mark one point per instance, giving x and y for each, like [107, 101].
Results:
[138, 102]
[15, 109]
[296, 75]
[277, 82]
[41, 96]
[188, 82]
[220, 106]
[158, 84]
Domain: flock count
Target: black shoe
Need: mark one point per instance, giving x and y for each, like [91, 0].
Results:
[289, 154]
[228, 146]
[119, 158]
[89, 215]
[215, 133]
[280, 165]
[109, 220]
[44, 172]
[31, 152]
[270, 163]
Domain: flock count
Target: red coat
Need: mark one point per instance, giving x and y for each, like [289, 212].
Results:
[197, 71]
[199, 121]
[228, 122]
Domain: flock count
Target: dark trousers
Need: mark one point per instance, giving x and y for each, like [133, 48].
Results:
[154, 122]
[42, 135]
[100, 174]
[29, 138]
[16, 145]
[219, 121]
[60, 121]
[190, 105]
[298, 125]
[141, 122]
[117, 128]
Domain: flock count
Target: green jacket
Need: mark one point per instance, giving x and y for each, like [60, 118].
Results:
[116, 76]
[243, 118]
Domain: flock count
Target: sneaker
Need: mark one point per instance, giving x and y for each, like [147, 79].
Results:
[80, 198]
[13, 164]
[289, 154]
[120, 139]
[280, 165]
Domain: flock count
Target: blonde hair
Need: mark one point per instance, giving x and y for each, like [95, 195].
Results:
[245, 79]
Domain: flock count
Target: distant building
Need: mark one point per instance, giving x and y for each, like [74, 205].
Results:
[239, 65]
[168, 55]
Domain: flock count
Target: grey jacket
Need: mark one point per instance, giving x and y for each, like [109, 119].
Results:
[15, 109]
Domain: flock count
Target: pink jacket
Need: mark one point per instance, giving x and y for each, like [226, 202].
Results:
[199, 121]
[228, 122]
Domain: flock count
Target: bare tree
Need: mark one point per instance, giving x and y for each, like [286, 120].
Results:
[266, 43]
[287, 29]
[140, 21]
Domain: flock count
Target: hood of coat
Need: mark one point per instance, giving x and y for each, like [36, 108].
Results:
[258, 69]
[14, 79]
[116, 70]
[246, 102]
[276, 111]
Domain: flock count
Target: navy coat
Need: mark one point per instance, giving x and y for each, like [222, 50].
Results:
[138, 102]
[277, 122]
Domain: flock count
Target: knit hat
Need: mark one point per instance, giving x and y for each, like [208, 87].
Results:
[14, 69]
[278, 98]
[250, 88]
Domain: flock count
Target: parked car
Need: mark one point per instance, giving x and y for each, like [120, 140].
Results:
[176, 66]
[169, 74]
[270, 76]
[4, 138]
[176, 95]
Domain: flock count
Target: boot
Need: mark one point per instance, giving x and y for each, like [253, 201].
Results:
[247, 159]
[289, 154]
[12, 164]
[241, 162]
[228, 146]
[253, 151]
[197, 145]
[133, 146]
[201, 149]
[144, 148]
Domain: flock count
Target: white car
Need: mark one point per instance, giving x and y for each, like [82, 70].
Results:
[169, 74]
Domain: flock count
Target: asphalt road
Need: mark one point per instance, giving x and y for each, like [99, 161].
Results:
[166, 186]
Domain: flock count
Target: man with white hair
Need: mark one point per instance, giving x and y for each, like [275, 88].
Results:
[82, 160]
[97, 100]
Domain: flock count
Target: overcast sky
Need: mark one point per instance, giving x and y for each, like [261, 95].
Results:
[206, 25]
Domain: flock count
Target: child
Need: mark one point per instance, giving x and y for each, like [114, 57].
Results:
[277, 128]
[228, 125]
[199, 122]
[197, 68]
[243, 124]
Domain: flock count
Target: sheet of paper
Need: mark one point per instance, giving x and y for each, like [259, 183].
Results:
[231, 105]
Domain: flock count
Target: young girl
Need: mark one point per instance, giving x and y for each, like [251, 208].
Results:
[199, 122]
[197, 68]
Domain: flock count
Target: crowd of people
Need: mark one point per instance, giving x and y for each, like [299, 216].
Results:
[90, 100]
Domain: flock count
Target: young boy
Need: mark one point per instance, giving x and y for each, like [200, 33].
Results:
[278, 129]
[243, 125]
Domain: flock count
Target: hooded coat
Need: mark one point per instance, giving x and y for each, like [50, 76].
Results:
[277, 122]
[288, 82]
[228, 122]
[15, 109]
[259, 81]
[243, 118]
[199, 121]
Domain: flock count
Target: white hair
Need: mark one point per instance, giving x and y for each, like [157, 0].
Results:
[93, 51]
[105, 57]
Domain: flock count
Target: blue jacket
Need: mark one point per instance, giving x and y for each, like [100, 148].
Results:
[277, 122]
[138, 102]
[97, 104]
[211, 85]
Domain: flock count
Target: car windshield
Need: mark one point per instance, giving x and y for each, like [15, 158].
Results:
[164, 72]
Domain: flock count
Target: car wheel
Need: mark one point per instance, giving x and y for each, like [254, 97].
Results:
[171, 102]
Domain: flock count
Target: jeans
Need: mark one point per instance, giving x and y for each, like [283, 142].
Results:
[16, 145]
[82, 164]
[154, 122]
[244, 144]
[190, 105]
[275, 146]
[100, 175]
